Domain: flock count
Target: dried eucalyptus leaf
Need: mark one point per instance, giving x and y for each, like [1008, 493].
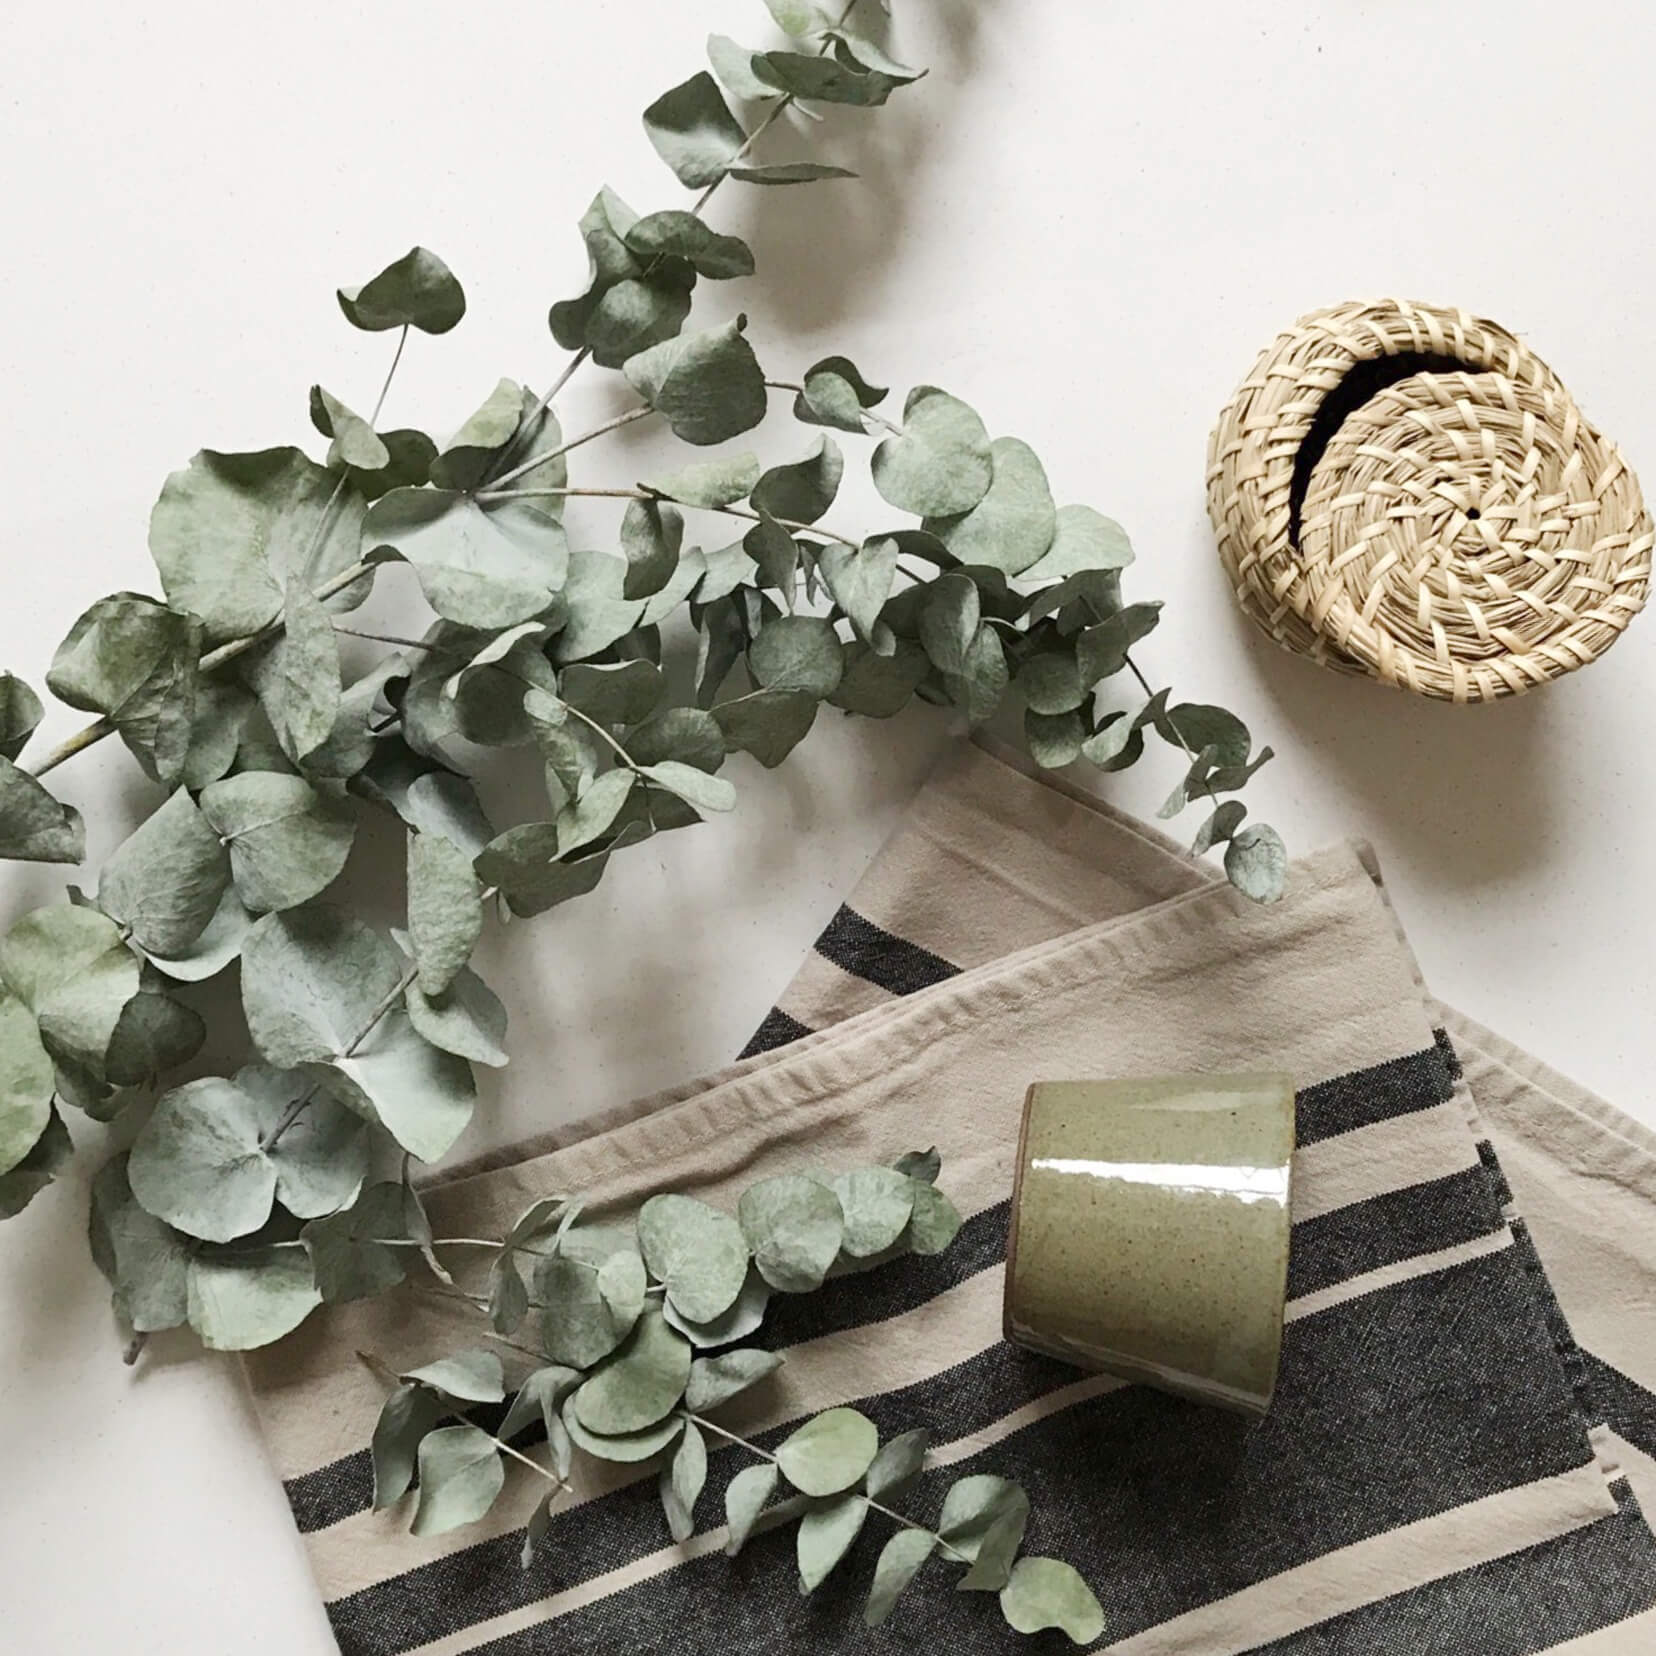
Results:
[219, 943]
[829, 1453]
[715, 1380]
[579, 1327]
[686, 735]
[823, 79]
[878, 686]
[923, 1165]
[287, 840]
[1013, 525]
[651, 535]
[465, 459]
[694, 132]
[1054, 739]
[877, 1203]
[35, 827]
[733, 65]
[745, 1498]
[860, 580]
[1051, 682]
[698, 1252]
[1101, 651]
[950, 620]
[899, 1563]
[677, 234]
[935, 1221]
[788, 172]
[622, 1284]
[798, 652]
[165, 883]
[745, 1314]
[408, 1414]
[537, 1399]
[461, 1473]
[153, 1034]
[144, 1259]
[898, 1463]
[871, 55]
[825, 1536]
[1046, 1592]
[999, 1546]
[975, 1507]
[1220, 825]
[244, 1297]
[440, 802]
[794, 1226]
[835, 392]
[351, 1252]
[803, 491]
[942, 463]
[639, 1384]
[27, 1083]
[445, 909]
[682, 1479]
[473, 1376]
[594, 813]
[599, 612]
[523, 864]
[21, 712]
[422, 1095]
[1083, 541]
[708, 385]
[695, 787]
[354, 443]
[417, 291]
[627, 1447]
[296, 676]
[710, 483]
[68, 965]
[1256, 862]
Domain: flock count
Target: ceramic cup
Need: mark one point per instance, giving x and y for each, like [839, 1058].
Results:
[1149, 1231]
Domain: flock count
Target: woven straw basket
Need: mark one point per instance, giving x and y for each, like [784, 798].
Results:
[1410, 493]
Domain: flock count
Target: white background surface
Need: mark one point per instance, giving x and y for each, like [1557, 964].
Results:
[1087, 221]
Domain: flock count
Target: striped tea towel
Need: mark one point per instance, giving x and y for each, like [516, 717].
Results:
[1445, 1469]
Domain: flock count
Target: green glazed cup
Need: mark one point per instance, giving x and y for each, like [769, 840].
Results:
[1149, 1234]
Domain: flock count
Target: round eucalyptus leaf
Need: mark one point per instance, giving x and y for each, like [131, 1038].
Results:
[899, 1562]
[978, 1507]
[34, 826]
[794, 1226]
[798, 652]
[1083, 541]
[471, 1376]
[622, 1284]
[461, 1473]
[745, 1497]
[677, 234]
[710, 483]
[1256, 862]
[715, 1380]
[639, 1384]
[860, 580]
[746, 1313]
[422, 1095]
[579, 1327]
[198, 1163]
[708, 385]
[244, 1297]
[27, 1083]
[694, 132]
[145, 1260]
[296, 675]
[687, 735]
[1013, 525]
[935, 1220]
[21, 710]
[1054, 739]
[839, 80]
[898, 1462]
[538, 1398]
[803, 491]
[408, 1414]
[829, 1453]
[68, 965]
[467, 1019]
[877, 1203]
[465, 459]
[1046, 1592]
[1051, 682]
[626, 1448]
[354, 442]
[941, 464]
[166, 881]
[698, 1252]
[695, 787]
[445, 909]
[417, 291]
[733, 65]
[599, 613]
[219, 943]
[287, 840]
[681, 1482]
[825, 1536]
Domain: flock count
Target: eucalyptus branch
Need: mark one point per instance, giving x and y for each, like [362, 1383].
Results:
[642, 412]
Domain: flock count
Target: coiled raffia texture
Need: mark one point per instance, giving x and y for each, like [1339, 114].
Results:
[1410, 493]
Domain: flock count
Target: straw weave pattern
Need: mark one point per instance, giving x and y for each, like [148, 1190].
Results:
[1410, 493]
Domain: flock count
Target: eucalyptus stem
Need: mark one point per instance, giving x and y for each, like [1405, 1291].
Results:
[641, 412]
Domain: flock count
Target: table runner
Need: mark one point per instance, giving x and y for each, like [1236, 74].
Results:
[1445, 1467]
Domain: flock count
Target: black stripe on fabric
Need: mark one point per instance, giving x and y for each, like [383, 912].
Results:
[1528, 1601]
[1390, 1408]
[1497, 1175]
[335, 1492]
[777, 1030]
[1620, 1402]
[1571, 1358]
[1450, 1056]
[1385, 1229]
[861, 948]
[1398, 1087]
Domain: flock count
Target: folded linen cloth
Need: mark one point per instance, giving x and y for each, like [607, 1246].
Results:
[1444, 1467]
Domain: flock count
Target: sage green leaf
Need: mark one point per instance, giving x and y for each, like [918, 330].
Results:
[465, 459]
[421, 1094]
[408, 464]
[1196, 727]
[40, 1165]
[639, 1384]
[594, 813]
[823, 79]
[745, 1498]
[1101, 651]
[523, 864]
[788, 172]
[860, 580]
[1083, 540]
[579, 1326]
[602, 226]
[1046, 1592]
[1051, 682]
[622, 1284]
[795, 1227]
[287, 840]
[473, 1376]
[352, 1252]
[219, 943]
[21, 712]
[974, 1506]
[745, 1314]
[153, 1034]
[803, 491]
[935, 1221]
[1118, 743]
[537, 1399]
[687, 574]
[715, 1380]
[829, 1453]
[445, 909]
[461, 1473]
[68, 965]
[1220, 825]
[484, 701]
[923, 1165]
[899, 1562]
[999, 1546]
[407, 1415]
[694, 132]
[797, 652]
[835, 393]
[245, 1297]
[27, 1083]
[733, 65]
[134, 661]
[877, 1203]
[143, 1259]
[677, 234]
[354, 442]
[825, 1536]
[1227, 778]
[537, 1529]
[682, 1479]
[708, 385]
[1054, 739]
[34, 827]
[799, 18]
[685, 734]
[480, 563]
[417, 291]
[711, 483]
[774, 553]
[871, 55]
[635, 315]
[650, 537]
[950, 622]
[165, 883]
[230, 529]
[439, 802]
[698, 1252]
[695, 787]
[625, 1447]
[898, 1463]
[1256, 862]
[1013, 525]
[296, 676]
[599, 612]
[942, 464]
[879, 686]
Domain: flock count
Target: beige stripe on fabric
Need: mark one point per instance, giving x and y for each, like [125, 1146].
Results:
[1410, 1556]
[823, 993]
[1384, 1156]
[1402, 1270]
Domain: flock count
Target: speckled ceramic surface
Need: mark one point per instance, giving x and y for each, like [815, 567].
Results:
[1150, 1230]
